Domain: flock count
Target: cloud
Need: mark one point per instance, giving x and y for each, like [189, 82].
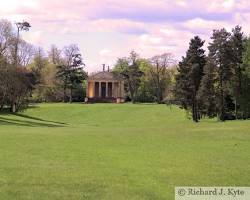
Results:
[161, 10]
[118, 25]
[104, 52]
[35, 37]
[109, 29]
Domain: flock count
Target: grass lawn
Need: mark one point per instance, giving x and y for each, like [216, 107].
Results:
[117, 152]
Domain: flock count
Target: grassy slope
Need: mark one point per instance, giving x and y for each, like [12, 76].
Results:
[108, 151]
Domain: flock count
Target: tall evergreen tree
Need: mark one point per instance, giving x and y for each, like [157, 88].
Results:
[189, 78]
[244, 99]
[220, 51]
[237, 40]
[207, 92]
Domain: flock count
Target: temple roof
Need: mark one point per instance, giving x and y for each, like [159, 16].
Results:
[105, 75]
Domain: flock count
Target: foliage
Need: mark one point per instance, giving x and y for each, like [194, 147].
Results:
[189, 77]
[71, 72]
[221, 88]
[148, 88]
[129, 68]
[244, 97]
[207, 90]
[28, 74]
[17, 82]
[159, 74]
[220, 50]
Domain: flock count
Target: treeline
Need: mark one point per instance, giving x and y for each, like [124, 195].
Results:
[60, 75]
[28, 74]
[216, 85]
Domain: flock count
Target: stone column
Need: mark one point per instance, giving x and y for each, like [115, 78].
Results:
[106, 83]
[113, 84]
[87, 89]
[122, 89]
[100, 89]
[87, 93]
[119, 89]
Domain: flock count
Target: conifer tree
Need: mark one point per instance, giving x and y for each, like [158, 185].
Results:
[237, 41]
[189, 77]
[220, 51]
[207, 91]
[244, 98]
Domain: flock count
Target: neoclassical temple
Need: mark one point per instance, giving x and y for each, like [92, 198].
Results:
[105, 87]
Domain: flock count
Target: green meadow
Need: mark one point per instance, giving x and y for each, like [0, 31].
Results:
[117, 152]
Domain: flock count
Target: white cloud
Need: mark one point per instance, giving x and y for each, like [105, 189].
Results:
[34, 37]
[114, 27]
[104, 52]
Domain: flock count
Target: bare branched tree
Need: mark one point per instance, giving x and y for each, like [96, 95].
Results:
[55, 55]
[159, 73]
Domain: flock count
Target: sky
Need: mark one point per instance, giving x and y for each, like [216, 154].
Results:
[108, 29]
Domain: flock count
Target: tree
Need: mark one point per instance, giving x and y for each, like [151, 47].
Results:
[207, 91]
[76, 74]
[6, 37]
[48, 87]
[55, 55]
[159, 74]
[244, 98]
[71, 72]
[16, 81]
[26, 53]
[237, 42]
[21, 26]
[146, 91]
[39, 63]
[23, 82]
[220, 51]
[5, 78]
[189, 77]
[131, 72]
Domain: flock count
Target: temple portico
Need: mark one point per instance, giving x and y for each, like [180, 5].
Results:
[105, 87]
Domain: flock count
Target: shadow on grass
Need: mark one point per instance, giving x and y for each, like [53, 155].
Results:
[28, 121]
[38, 119]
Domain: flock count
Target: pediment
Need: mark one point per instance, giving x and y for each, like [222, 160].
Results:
[105, 76]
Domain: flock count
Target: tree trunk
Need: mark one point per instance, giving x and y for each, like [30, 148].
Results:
[13, 108]
[70, 97]
[222, 106]
[194, 111]
[131, 93]
[158, 86]
[158, 95]
[235, 108]
[132, 97]
[64, 93]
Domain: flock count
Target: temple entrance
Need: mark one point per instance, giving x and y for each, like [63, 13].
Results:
[103, 90]
[105, 87]
[96, 89]
[110, 90]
